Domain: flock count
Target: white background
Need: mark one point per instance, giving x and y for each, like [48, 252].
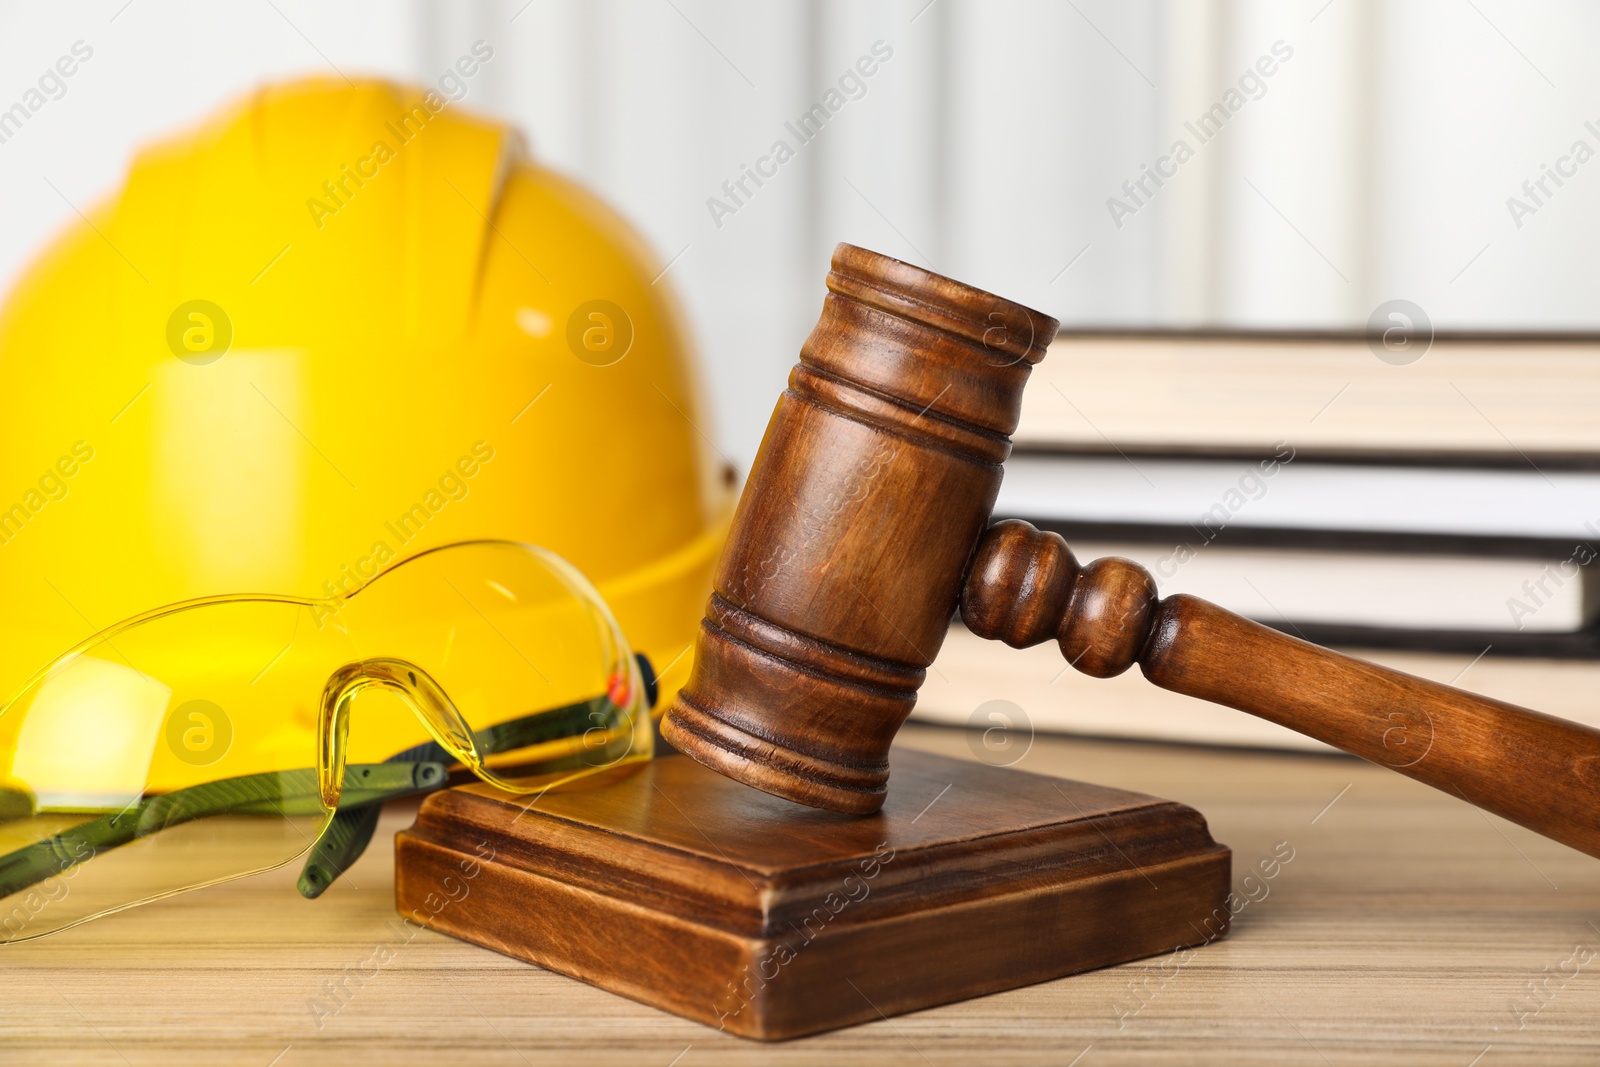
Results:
[1376, 166]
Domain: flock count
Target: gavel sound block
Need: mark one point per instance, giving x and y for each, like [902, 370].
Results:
[683, 889]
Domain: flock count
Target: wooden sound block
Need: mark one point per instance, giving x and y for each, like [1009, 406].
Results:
[685, 890]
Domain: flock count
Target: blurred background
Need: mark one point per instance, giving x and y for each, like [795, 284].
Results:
[1243, 213]
[991, 143]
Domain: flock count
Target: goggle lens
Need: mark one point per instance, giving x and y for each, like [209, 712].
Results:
[215, 739]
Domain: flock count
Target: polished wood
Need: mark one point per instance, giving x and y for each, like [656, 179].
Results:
[859, 528]
[971, 672]
[872, 485]
[683, 889]
[1406, 931]
[1536, 770]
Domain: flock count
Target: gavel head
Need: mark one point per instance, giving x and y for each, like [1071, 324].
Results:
[843, 567]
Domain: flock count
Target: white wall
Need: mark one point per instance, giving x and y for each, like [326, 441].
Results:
[1376, 165]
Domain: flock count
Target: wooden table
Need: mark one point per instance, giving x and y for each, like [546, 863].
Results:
[1406, 928]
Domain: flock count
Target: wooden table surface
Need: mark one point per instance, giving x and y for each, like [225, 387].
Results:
[1407, 928]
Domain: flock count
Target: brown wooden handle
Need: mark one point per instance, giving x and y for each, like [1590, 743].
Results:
[1542, 772]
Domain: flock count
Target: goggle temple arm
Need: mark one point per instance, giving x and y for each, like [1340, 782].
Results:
[350, 831]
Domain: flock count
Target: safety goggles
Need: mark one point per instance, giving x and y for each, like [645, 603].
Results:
[217, 738]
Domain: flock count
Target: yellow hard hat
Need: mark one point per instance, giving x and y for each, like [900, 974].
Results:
[330, 327]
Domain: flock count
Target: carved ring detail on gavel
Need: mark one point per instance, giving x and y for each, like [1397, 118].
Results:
[862, 528]
[1026, 587]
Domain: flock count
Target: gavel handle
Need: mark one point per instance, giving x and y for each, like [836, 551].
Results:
[1536, 770]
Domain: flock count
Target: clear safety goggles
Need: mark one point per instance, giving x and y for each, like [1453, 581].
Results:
[217, 738]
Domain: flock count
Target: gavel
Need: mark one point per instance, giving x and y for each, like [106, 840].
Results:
[864, 526]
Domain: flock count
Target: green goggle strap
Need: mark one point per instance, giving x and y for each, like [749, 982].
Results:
[367, 787]
[350, 831]
[281, 793]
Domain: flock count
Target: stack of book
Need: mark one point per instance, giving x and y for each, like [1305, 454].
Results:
[1440, 516]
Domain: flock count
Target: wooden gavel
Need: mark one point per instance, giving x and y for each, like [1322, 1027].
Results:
[862, 528]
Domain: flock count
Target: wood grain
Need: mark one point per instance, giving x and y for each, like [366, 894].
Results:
[1537, 770]
[862, 527]
[874, 480]
[685, 890]
[1399, 934]
[971, 670]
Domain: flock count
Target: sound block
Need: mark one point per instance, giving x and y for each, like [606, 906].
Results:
[687, 891]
